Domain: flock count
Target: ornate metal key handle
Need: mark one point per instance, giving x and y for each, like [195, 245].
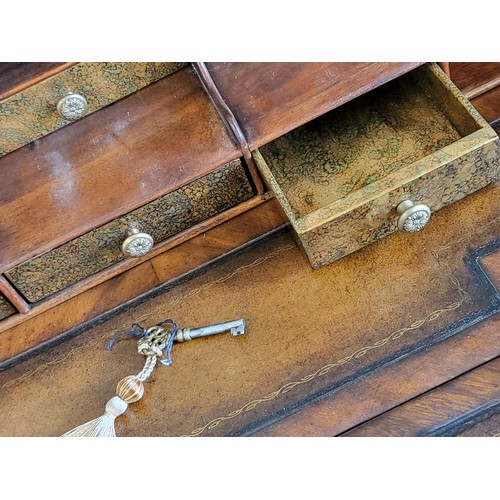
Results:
[153, 343]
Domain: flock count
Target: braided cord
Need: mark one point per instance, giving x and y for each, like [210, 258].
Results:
[149, 366]
[149, 349]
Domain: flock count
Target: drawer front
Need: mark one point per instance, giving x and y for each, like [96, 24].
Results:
[32, 112]
[377, 218]
[341, 178]
[6, 309]
[220, 190]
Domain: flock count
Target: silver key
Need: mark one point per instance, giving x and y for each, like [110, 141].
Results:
[236, 327]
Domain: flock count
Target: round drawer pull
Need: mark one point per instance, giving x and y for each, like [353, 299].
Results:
[137, 244]
[72, 107]
[412, 217]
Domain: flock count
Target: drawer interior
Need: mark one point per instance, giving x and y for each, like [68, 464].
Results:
[367, 139]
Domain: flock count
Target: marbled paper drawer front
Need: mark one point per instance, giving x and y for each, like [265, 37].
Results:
[378, 217]
[33, 112]
[340, 178]
[6, 309]
[163, 218]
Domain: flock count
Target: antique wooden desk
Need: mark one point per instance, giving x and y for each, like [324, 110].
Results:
[393, 336]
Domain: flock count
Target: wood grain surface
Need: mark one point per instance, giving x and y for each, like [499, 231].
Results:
[269, 99]
[123, 266]
[445, 66]
[486, 425]
[475, 78]
[443, 410]
[230, 121]
[488, 104]
[120, 157]
[419, 395]
[339, 339]
[15, 76]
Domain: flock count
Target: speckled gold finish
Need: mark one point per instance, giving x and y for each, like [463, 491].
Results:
[42, 276]
[340, 178]
[32, 113]
[5, 308]
[378, 217]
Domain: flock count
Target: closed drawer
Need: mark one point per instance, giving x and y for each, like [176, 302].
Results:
[341, 177]
[177, 211]
[5, 308]
[33, 112]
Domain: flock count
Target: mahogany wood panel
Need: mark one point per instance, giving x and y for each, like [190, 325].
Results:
[474, 78]
[440, 411]
[230, 121]
[11, 293]
[491, 264]
[485, 425]
[15, 76]
[379, 392]
[50, 319]
[223, 240]
[107, 164]
[488, 104]
[445, 66]
[270, 99]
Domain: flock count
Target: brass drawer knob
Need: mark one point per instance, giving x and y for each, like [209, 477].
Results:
[412, 217]
[72, 107]
[137, 244]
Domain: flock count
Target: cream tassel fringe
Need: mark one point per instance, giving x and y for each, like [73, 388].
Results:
[103, 426]
[130, 389]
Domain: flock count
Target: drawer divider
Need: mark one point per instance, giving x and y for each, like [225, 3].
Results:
[11, 293]
[230, 121]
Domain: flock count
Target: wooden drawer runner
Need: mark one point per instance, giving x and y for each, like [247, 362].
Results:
[32, 112]
[340, 178]
[5, 308]
[179, 210]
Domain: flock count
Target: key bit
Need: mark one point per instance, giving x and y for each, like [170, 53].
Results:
[236, 327]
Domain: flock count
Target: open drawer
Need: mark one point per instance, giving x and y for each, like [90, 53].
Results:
[342, 177]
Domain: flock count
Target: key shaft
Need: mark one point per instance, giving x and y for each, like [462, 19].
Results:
[236, 327]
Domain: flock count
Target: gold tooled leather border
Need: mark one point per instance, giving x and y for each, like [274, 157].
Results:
[325, 369]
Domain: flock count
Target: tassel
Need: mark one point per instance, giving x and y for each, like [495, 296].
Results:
[130, 389]
[153, 343]
[103, 426]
